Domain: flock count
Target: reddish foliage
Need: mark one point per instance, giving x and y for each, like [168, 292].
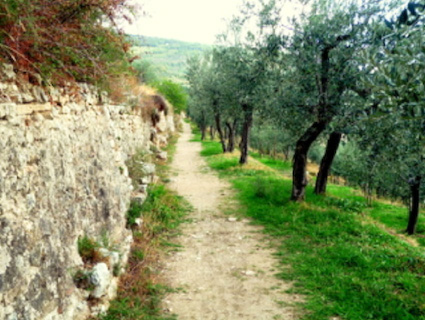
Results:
[63, 39]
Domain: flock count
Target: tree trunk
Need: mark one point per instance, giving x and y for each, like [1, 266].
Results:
[326, 163]
[212, 133]
[203, 129]
[231, 129]
[415, 184]
[246, 128]
[286, 153]
[299, 174]
[220, 132]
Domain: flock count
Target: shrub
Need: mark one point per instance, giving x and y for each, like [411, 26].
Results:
[133, 213]
[63, 40]
[89, 250]
[174, 93]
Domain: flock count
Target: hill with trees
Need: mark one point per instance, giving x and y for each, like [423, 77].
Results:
[163, 58]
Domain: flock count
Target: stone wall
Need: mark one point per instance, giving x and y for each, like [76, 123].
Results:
[63, 176]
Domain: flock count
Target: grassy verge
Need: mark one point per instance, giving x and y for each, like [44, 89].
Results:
[345, 266]
[284, 167]
[141, 287]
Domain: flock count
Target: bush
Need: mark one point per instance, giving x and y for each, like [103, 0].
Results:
[134, 213]
[174, 93]
[89, 250]
[62, 40]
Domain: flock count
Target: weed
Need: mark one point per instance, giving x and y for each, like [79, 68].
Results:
[133, 213]
[135, 168]
[138, 254]
[116, 270]
[105, 239]
[82, 280]
[89, 250]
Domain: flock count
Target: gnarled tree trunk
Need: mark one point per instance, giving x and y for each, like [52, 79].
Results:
[415, 184]
[231, 129]
[299, 174]
[326, 163]
[220, 131]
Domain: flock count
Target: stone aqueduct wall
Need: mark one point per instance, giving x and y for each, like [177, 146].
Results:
[63, 176]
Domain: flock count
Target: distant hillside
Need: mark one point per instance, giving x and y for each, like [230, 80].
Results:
[164, 58]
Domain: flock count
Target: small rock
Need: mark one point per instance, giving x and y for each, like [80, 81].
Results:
[12, 316]
[146, 180]
[104, 252]
[40, 95]
[139, 198]
[114, 258]
[249, 273]
[138, 222]
[27, 97]
[162, 155]
[148, 168]
[104, 97]
[232, 219]
[143, 188]
[8, 71]
[100, 278]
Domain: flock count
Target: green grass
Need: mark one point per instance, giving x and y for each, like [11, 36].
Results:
[279, 165]
[142, 291]
[88, 249]
[393, 216]
[345, 267]
[141, 287]
[211, 148]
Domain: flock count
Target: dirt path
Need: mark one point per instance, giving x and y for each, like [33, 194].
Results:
[225, 269]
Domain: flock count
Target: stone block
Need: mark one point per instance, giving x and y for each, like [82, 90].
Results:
[25, 109]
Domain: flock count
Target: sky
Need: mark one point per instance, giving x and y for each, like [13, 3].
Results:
[187, 20]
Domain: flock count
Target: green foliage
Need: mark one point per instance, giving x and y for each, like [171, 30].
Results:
[344, 266]
[133, 213]
[163, 210]
[270, 139]
[63, 40]
[146, 71]
[135, 169]
[88, 249]
[138, 309]
[81, 279]
[138, 254]
[174, 93]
